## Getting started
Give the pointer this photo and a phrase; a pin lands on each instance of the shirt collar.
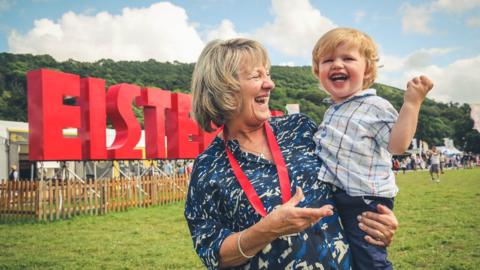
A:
(363, 93)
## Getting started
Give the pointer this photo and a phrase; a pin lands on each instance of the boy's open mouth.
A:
(338, 77)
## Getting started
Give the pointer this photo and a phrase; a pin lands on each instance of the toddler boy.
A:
(359, 133)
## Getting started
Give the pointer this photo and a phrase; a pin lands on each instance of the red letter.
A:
(48, 116)
(154, 101)
(181, 130)
(94, 121)
(276, 113)
(127, 128)
(206, 138)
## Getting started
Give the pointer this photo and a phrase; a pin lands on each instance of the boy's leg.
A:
(365, 255)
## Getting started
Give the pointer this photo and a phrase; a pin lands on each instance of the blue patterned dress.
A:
(216, 205)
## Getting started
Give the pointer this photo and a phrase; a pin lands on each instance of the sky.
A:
(438, 38)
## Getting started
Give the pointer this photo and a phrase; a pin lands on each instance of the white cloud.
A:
(457, 5)
(457, 82)
(415, 19)
(473, 22)
(161, 31)
(424, 57)
(295, 29)
(358, 16)
(475, 114)
(225, 30)
(287, 64)
(390, 63)
(5, 5)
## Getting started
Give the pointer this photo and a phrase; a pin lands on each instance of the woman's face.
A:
(255, 88)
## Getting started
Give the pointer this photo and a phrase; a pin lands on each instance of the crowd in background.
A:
(423, 161)
(170, 167)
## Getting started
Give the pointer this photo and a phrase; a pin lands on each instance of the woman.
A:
(254, 201)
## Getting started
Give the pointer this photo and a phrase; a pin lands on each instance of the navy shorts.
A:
(365, 255)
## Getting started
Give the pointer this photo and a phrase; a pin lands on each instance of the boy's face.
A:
(342, 72)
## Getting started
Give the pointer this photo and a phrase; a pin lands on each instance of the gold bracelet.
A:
(240, 247)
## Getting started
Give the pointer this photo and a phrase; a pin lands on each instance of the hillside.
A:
(293, 85)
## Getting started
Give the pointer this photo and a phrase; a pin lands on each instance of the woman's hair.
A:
(215, 84)
(352, 38)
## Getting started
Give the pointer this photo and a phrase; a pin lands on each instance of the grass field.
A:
(439, 229)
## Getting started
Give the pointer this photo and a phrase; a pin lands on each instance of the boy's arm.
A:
(404, 129)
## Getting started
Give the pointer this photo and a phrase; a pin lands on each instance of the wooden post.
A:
(2, 198)
(39, 200)
(68, 205)
(95, 195)
(105, 197)
(85, 196)
(21, 200)
(50, 199)
(58, 200)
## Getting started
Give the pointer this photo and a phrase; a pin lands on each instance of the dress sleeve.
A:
(306, 123)
(204, 217)
(386, 116)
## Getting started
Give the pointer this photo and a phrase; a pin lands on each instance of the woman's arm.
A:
(284, 220)
(380, 227)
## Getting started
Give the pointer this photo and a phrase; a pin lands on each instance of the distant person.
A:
(413, 163)
(168, 168)
(189, 166)
(13, 174)
(465, 159)
(180, 168)
(359, 133)
(408, 162)
(471, 160)
(403, 165)
(420, 162)
(457, 161)
(434, 164)
(442, 162)
(396, 165)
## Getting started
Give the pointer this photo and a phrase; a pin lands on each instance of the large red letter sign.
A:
(181, 130)
(94, 121)
(48, 116)
(166, 115)
(154, 101)
(127, 129)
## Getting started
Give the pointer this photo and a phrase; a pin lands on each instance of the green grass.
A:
(151, 238)
(439, 229)
(439, 223)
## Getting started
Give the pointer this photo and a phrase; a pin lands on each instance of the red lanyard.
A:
(247, 187)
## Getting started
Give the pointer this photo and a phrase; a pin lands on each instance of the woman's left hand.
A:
(380, 227)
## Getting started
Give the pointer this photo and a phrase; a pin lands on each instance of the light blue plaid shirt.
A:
(352, 141)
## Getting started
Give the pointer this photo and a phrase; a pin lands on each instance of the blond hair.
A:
(215, 84)
(352, 38)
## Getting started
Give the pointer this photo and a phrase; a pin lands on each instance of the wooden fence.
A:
(54, 200)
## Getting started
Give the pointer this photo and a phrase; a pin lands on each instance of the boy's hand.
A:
(417, 89)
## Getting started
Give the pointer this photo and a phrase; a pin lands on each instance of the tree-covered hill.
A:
(293, 85)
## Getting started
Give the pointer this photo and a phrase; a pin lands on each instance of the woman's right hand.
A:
(284, 220)
(288, 218)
